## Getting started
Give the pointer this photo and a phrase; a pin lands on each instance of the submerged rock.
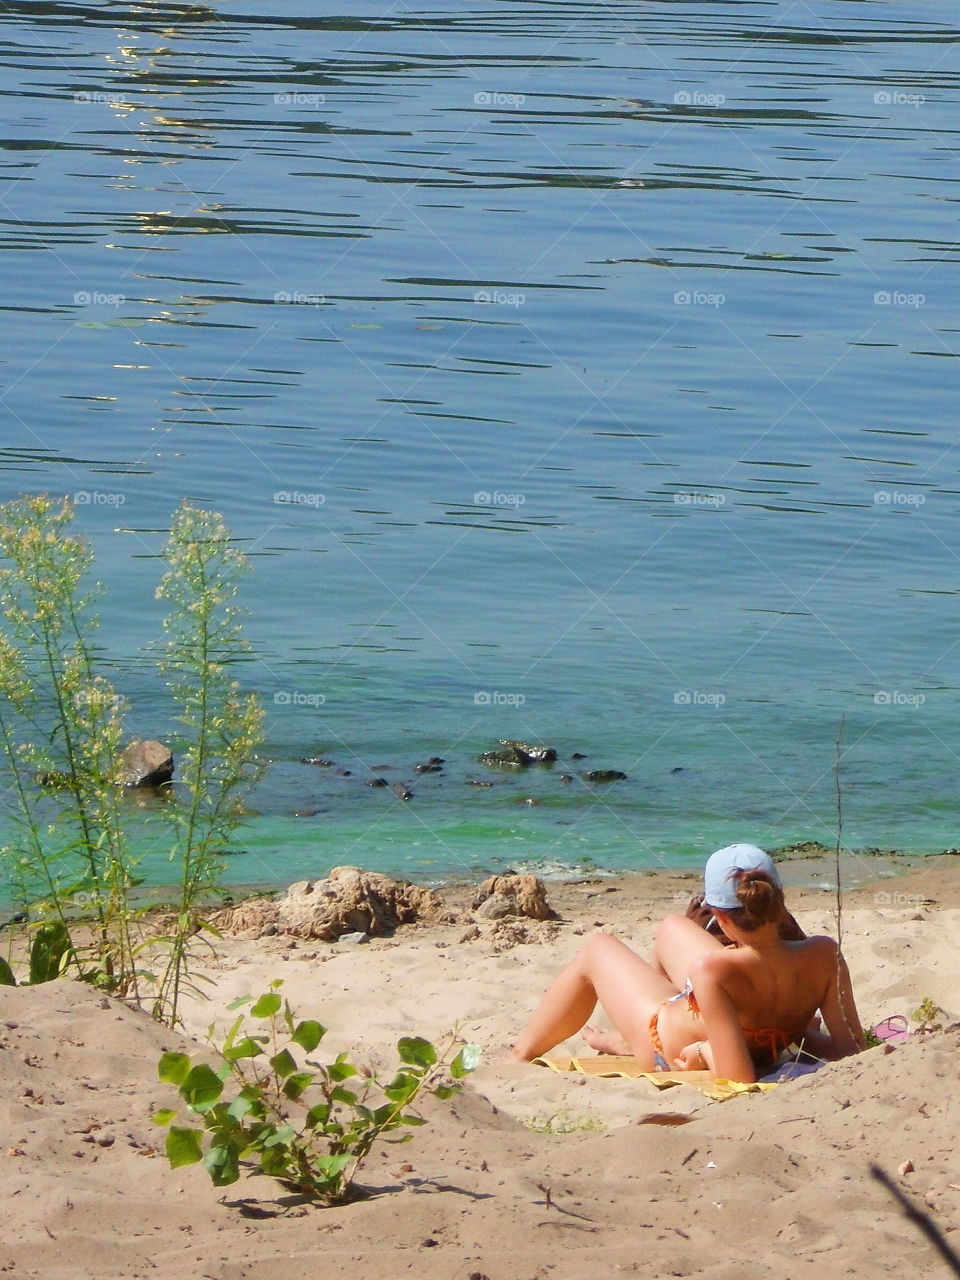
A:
(512, 754)
(402, 792)
(504, 758)
(145, 764)
(537, 755)
(807, 848)
(517, 895)
(605, 775)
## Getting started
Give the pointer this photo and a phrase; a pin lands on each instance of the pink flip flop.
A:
(893, 1029)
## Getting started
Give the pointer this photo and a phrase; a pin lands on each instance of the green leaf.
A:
(248, 1047)
(308, 1035)
(331, 1166)
(284, 1063)
(6, 975)
(183, 1146)
(163, 1116)
(275, 1161)
(317, 1116)
(467, 1060)
(402, 1088)
(297, 1085)
(222, 1165)
(444, 1091)
(173, 1068)
(241, 1106)
(340, 1094)
(341, 1070)
(230, 1036)
(202, 1087)
(386, 1115)
(281, 1138)
(417, 1052)
(50, 948)
(266, 1006)
(239, 1002)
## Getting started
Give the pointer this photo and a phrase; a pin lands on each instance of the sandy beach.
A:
(527, 1174)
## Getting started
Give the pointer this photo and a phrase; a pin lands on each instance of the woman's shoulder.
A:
(818, 942)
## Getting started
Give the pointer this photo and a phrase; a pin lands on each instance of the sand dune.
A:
(774, 1184)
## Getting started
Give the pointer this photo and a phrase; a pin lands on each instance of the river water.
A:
(569, 372)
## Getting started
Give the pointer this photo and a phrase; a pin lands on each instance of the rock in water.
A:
(517, 755)
(605, 775)
(522, 896)
(505, 758)
(145, 764)
(536, 755)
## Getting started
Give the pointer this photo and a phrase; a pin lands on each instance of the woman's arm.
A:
(730, 1058)
(839, 1008)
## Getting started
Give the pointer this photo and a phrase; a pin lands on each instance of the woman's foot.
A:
(605, 1041)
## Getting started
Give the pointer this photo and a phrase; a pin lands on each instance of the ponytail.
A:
(761, 901)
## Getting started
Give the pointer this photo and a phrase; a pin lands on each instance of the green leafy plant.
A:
(50, 953)
(70, 853)
(295, 1119)
(928, 1013)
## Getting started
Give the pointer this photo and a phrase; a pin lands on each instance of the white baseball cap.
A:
(719, 885)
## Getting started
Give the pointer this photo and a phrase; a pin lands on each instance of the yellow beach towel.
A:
(607, 1064)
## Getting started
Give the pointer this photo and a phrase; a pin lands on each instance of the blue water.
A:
(576, 373)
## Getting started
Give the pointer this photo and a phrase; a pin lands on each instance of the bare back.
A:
(777, 987)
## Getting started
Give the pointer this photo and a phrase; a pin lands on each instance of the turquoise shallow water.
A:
(576, 374)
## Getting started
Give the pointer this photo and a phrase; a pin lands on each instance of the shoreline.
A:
(800, 871)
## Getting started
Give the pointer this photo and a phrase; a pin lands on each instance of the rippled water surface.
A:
(571, 372)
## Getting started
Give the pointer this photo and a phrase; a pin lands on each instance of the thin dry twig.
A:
(921, 1219)
(837, 761)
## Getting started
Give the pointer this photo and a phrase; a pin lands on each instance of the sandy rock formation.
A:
(254, 918)
(516, 895)
(347, 901)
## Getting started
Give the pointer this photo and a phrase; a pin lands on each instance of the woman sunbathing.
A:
(700, 1005)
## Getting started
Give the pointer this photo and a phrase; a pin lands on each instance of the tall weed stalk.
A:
(60, 726)
(223, 725)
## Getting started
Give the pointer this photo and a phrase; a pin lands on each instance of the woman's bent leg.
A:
(678, 943)
(604, 970)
